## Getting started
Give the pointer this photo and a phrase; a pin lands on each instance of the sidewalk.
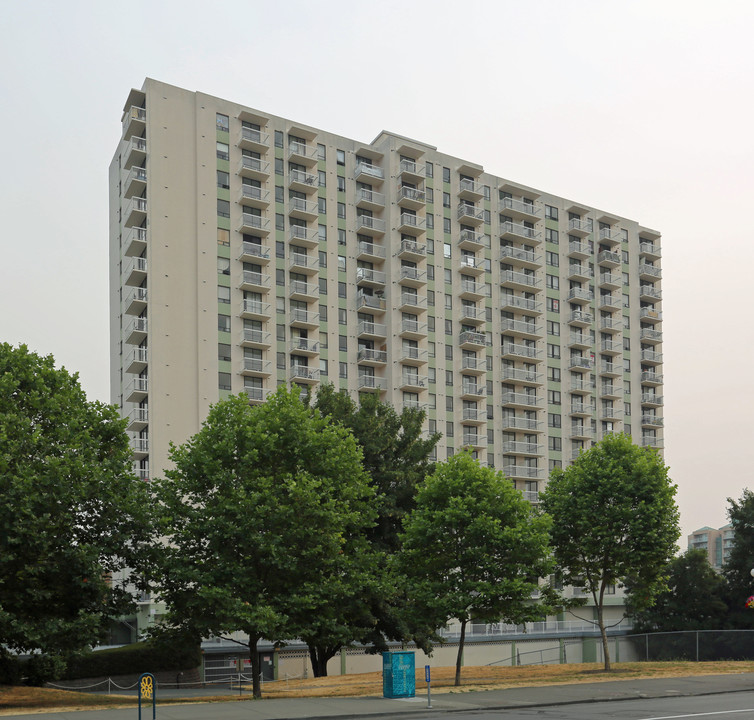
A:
(324, 708)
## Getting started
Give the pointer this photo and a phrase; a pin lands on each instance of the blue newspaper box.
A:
(398, 675)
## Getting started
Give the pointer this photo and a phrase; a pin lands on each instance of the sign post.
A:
(429, 692)
(147, 691)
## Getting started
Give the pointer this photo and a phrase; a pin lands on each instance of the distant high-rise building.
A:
(715, 543)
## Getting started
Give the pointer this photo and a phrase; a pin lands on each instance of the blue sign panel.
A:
(398, 674)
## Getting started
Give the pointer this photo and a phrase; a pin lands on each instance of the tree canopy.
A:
(740, 561)
(263, 514)
(473, 548)
(72, 515)
(615, 517)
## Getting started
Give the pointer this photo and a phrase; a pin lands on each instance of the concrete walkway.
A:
(322, 708)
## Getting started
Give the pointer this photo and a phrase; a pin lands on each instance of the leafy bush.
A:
(10, 669)
(40, 669)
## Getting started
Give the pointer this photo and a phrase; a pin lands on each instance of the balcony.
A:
(134, 241)
(370, 252)
(580, 364)
(412, 277)
(516, 231)
(471, 265)
(652, 442)
(609, 390)
(134, 121)
(254, 197)
(138, 419)
(256, 395)
(136, 331)
(580, 341)
(581, 409)
(306, 292)
(649, 293)
(611, 414)
(410, 171)
(580, 295)
(254, 168)
(303, 346)
(650, 357)
(254, 224)
(473, 391)
(521, 471)
(412, 303)
(410, 355)
(371, 331)
(302, 181)
(581, 431)
(611, 369)
(303, 236)
(609, 325)
(519, 209)
(366, 277)
(611, 347)
(254, 140)
(649, 377)
(412, 330)
(410, 250)
(579, 250)
(472, 340)
(473, 416)
(410, 223)
(610, 281)
(471, 314)
(581, 386)
(413, 405)
(254, 282)
(579, 272)
(255, 310)
(255, 367)
(413, 382)
(304, 374)
(255, 338)
(517, 256)
(520, 327)
(651, 400)
(373, 358)
(471, 290)
(610, 302)
(140, 447)
(474, 440)
(512, 447)
(648, 335)
(524, 400)
(609, 259)
(136, 360)
(409, 197)
(650, 251)
(518, 280)
(137, 389)
(650, 315)
(516, 302)
(369, 200)
(135, 183)
(373, 303)
(135, 153)
(303, 209)
(303, 154)
(135, 212)
(472, 240)
(470, 190)
(581, 228)
(649, 272)
(369, 174)
(368, 225)
(303, 264)
(511, 422)
(580, 318)
(609, 236)
(520, 375)
(469, 214)
(370, 383)
(305, 319)
(253, 253)
(651, 421)
(136, 301)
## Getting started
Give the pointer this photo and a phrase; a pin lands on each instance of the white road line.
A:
(693, 715)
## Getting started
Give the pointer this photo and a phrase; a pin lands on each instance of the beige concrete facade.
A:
(248, 251)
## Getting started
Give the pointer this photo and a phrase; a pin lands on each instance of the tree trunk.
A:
(461, 640)
(255, 669)
(319, 657)
(603, 633)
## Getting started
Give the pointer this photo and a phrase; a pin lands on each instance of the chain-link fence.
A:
(696, 645)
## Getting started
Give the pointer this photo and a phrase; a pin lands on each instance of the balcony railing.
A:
(513, 253)
(516, 278)
(580, 363)
(652, 420)
(521, 448)
(304, 372)
(518, 350)
(368, 170)
(523, 471)
(467, 211)
(580, 294)
(252, 250)
(520, 375)
(473, 338)
(519, 206)
(518, 230)
(304, 345)
(513, 398)
(651, 356)
(370, 382)
(411, 194)
(519, 303)
(367, 222)
(369, 276)
(369, 355)
(581, 318)
(371, 250)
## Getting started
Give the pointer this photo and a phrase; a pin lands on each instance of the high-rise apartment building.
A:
(249, 251)
(716, 543)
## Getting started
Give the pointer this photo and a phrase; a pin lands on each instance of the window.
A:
(552, 258)
(279, 221)
(553, 328)
(223, 122)
(322, 206)
(223, 237)
(432, 401)
(223, 381)
(322, 232)
(278, 138)
(342, 290)
(448, 352)
(446, 200)
(323, 340)
(431, 323)
(223, 352)
(223, 294)
(553, 305)
(448, 302)
(341, 184)
(323, 286)
(624, 256)
(280, 360)
(279, 277)
(448, 274)
(321, 178)
(551, 213)
(342, 316)
(430, 195)
(430, 272)
(343, 343)
(449, 429)
(553, 420)
(553, 281)
(341, 236)
(446, 225)
(448, 327)
(223, 179)
(223, 323)
(626, 301)
(446, 174)
(555, 444)
(432, 375)
(553, 351)
(322, 259)
(278, 166)
(431, 349)
(551, 236)
(279, 194)
(321, 152)
(341, 263)
(341, 210)
(323, 313)
(626, 279)
(340, 157)
(447, 250)
(223, 151)
(626, 408)
(223, 266)
(430, 221)
(343, 370)
(429, 170)
(449, 403)
(553, 397)
(553, 374)
(223, 208)
(322, 366)
(626, 343)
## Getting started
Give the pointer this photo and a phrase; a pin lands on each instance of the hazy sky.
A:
(641, 108)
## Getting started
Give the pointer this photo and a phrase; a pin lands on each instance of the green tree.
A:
(740, 561)
(263, 516)
(615, 517)
(692, 600)
(473, 548)
(72, 514)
